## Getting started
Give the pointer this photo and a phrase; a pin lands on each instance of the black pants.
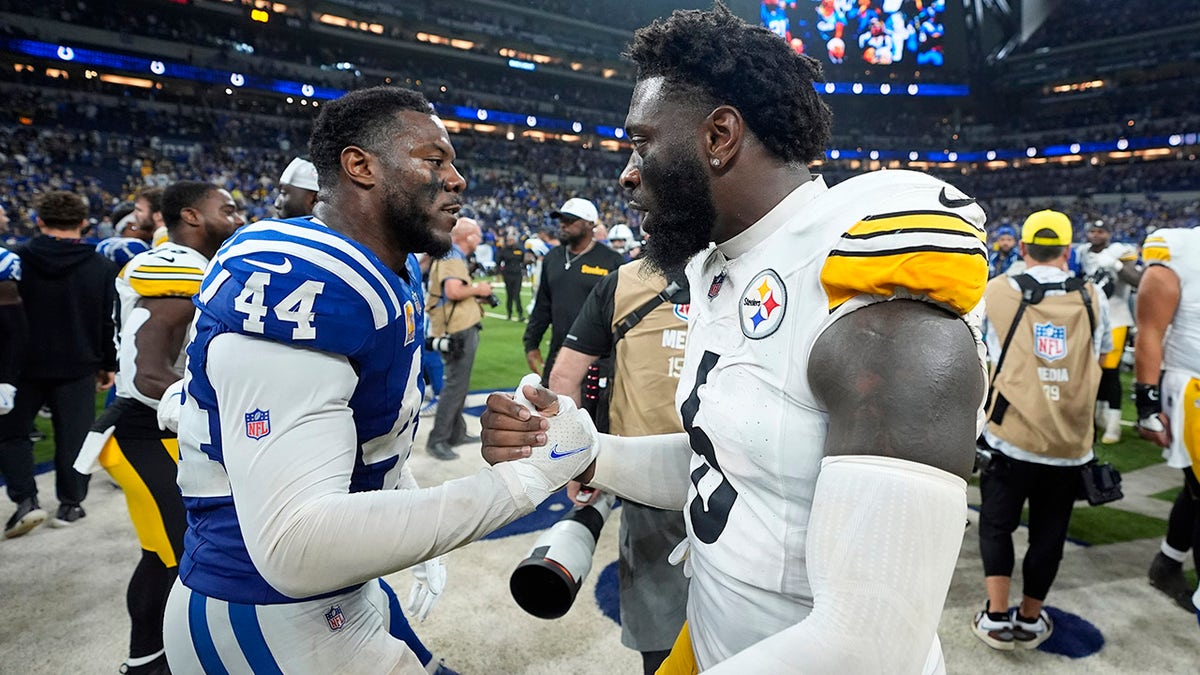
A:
(512, 289)
(1183, 525)
(73, 405)
(1051, 491)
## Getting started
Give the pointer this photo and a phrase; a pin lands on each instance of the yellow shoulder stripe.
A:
(955, 279)
(167, 269)
(165, 288)
(929, 221)
(1156, 253)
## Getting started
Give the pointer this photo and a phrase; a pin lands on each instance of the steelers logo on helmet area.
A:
(763, 305)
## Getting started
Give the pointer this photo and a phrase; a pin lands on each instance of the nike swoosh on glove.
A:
(169, 407)
(429, 580)
(571, 445)
(8, 398)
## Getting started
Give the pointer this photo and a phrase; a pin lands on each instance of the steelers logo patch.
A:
(763, 305)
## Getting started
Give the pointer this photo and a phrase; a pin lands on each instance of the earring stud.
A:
(715, 162)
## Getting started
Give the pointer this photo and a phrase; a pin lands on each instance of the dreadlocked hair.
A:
(713, 58)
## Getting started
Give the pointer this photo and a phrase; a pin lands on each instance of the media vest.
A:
(1043, 389)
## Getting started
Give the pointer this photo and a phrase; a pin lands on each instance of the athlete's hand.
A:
(429, 580)
(105, 379)
(510, 429)
(533, 357)
(169, 407)
(1156, 429)
(8, 398)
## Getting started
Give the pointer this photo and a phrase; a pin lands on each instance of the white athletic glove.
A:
(8, 398)
(1110, 262)
(429, 580)
(169, 407)
(571, 444)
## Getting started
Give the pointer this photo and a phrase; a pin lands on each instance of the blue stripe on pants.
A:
(201, 637)
(400, 629)
(250, 638)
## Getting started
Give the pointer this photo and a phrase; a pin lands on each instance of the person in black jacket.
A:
(510, 258)
(67, 292)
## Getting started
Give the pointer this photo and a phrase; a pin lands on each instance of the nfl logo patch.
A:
(258, 423)
(1050, 341)
(335, 618)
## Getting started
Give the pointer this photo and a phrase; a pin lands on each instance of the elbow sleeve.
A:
(650, 470)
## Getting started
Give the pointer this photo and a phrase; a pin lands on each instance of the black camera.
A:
(446, 344)
(492, 300)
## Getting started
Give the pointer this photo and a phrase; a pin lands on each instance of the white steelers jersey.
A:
(1119, 311)
(759, 301)
(1180, 251)
(168, 271)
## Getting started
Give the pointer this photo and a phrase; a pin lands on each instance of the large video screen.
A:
(864, 34)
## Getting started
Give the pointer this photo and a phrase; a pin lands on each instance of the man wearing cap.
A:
(1046, 334)
(297, 189)
(1004, 251)
(1113, 267)
(568, 274)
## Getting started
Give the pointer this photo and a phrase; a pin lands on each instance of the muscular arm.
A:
(159, 340)
(1157, 300)
(570, 368)
(304, 531)
(1130, 274)
(457, 290)
(901, 381)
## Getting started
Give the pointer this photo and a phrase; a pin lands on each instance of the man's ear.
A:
(360, 166)
(724, 130)
(191, 216)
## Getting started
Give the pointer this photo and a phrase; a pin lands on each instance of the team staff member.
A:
(67, 292)
(297, 189)
(1113, 267)
(647, 361)
(1169, 411)
(790, 472)
(155, 292)
(301, 402)
(1042, 398)
(510, 258)
(569, 272)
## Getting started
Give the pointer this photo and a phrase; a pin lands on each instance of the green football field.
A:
(500, 364)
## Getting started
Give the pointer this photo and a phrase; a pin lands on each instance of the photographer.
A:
(455, 316)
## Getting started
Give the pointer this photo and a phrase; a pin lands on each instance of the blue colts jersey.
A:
(299, 283)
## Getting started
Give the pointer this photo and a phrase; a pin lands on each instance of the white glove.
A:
(169, 407)
(8, 398)
(429, 582)
(1110, 262)
(571, 445)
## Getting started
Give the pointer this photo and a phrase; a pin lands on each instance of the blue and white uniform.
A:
(10, 265)
(121, 249)
(300, 408)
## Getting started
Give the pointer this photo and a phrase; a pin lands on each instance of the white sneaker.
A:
(1098, 417)
(1030, 635)
(995, 634)
(430, 409)
(1112, 426)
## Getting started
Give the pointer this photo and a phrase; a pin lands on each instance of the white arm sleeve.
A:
(883, 539)
(650, 470)
(304, 531)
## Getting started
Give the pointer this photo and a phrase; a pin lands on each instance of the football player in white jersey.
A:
(300, 406)
(1112, 266)
(154, 310)
(1167, 368)
(832, 384)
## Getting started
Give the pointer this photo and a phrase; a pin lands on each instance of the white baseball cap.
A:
(301, 174)
(577, 208)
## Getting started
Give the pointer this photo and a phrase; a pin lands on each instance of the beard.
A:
(408, 219)
(682, 214)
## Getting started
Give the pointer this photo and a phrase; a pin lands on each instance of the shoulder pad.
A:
(165, 272)
(299, 282)
(924, 240)
(10, 266)
(1170, 247)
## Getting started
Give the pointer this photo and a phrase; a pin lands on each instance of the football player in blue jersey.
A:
(300, 406)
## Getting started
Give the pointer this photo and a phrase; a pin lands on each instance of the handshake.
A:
(546, 437)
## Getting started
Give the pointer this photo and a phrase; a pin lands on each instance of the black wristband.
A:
(1149, 401)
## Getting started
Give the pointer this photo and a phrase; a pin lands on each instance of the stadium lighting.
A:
(834, 154)
(576, 127)
(913, 156)
(290, 99)
(619, 133)
(303, 101)
(857, 88)
(522, 65)
(991, 155)
(885, 88)
(953, 156)
(1074, 148)
(1175, 139)
(1190, 139)
(66, 53)
(260, 15)
(1031, 151)
(316, 103)
(1122, 144)
(307, 89)
(481, 114)
(874, 154)
(830, 87)
(158, 67)
(531, 121)
(228, 91)
(913, 89)
(237, 79)
(510, 136)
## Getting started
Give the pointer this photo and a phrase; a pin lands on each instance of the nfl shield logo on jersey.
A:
(335, 618)
(1050, 341)
(258, 423)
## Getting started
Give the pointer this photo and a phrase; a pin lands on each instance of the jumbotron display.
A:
(861, 34)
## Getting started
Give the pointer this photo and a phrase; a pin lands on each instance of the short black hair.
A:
(123, 209)
(1041, 252)
(182, 195)
(61, 209)
(153, 197)
(713, 58)
(364, 118)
